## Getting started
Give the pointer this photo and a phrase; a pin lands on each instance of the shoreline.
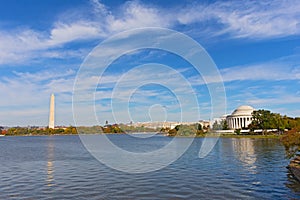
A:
(252, 136)
(200, 136)
(233, 136)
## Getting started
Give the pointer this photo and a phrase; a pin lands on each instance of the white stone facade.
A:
(51, 113)
(240, 118)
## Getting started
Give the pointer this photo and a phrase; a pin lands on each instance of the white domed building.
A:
(240, 118)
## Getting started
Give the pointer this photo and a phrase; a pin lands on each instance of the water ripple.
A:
(60, 168)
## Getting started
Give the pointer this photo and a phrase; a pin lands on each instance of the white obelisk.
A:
(51, 115)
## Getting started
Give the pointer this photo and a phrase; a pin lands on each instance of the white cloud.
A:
(27, 97)
(285, 68)
(16, 47)
(265, 71)
(99, 8)
(31, 89)
(63, 33)
(271, 19)
(119, 91)
(289, 99)
(43, 75)
(251, 19)
(258, 20)
(20, 45)
(27, 45)
(135, 15)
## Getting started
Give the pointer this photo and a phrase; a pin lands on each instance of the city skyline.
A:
(255, 46)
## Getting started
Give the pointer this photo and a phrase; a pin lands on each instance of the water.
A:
(59, 167)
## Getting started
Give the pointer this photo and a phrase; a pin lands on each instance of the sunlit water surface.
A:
(59, 167)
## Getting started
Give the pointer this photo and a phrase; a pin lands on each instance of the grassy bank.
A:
(251, 136)
(235, 136)
(199, 136)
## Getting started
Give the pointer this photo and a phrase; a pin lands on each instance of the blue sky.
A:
(255, 45)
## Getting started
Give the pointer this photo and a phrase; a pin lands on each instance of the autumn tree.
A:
(291, 141)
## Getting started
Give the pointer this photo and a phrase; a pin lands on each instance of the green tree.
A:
(278, 122)
(224, 125)
(265, 119)
(186, 130)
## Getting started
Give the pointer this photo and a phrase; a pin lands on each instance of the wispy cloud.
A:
(226, 19)
(81, 30)
(18, 47)
(135, 15)
(265, 71)
(28, 94)
(43, 75)
(272, 85)
(285, 68)
(287, 99)
(253, 20)
(250, 19)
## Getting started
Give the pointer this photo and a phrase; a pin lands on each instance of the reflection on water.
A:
(245, 152)
(50, 166)
(59, 167)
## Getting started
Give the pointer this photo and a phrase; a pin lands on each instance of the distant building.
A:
(240, 118)
(155, 125)
(219, 120)
(171, 125)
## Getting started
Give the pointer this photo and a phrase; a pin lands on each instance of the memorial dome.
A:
(243, 111)
(240, 118)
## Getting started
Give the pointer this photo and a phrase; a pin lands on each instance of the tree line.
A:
(106, 129)
(264, 119)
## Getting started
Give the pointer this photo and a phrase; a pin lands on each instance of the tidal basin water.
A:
(59, 167)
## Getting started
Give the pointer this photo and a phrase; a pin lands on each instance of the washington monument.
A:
(51, 115)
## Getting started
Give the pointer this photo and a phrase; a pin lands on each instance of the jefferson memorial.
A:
(240, 118)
